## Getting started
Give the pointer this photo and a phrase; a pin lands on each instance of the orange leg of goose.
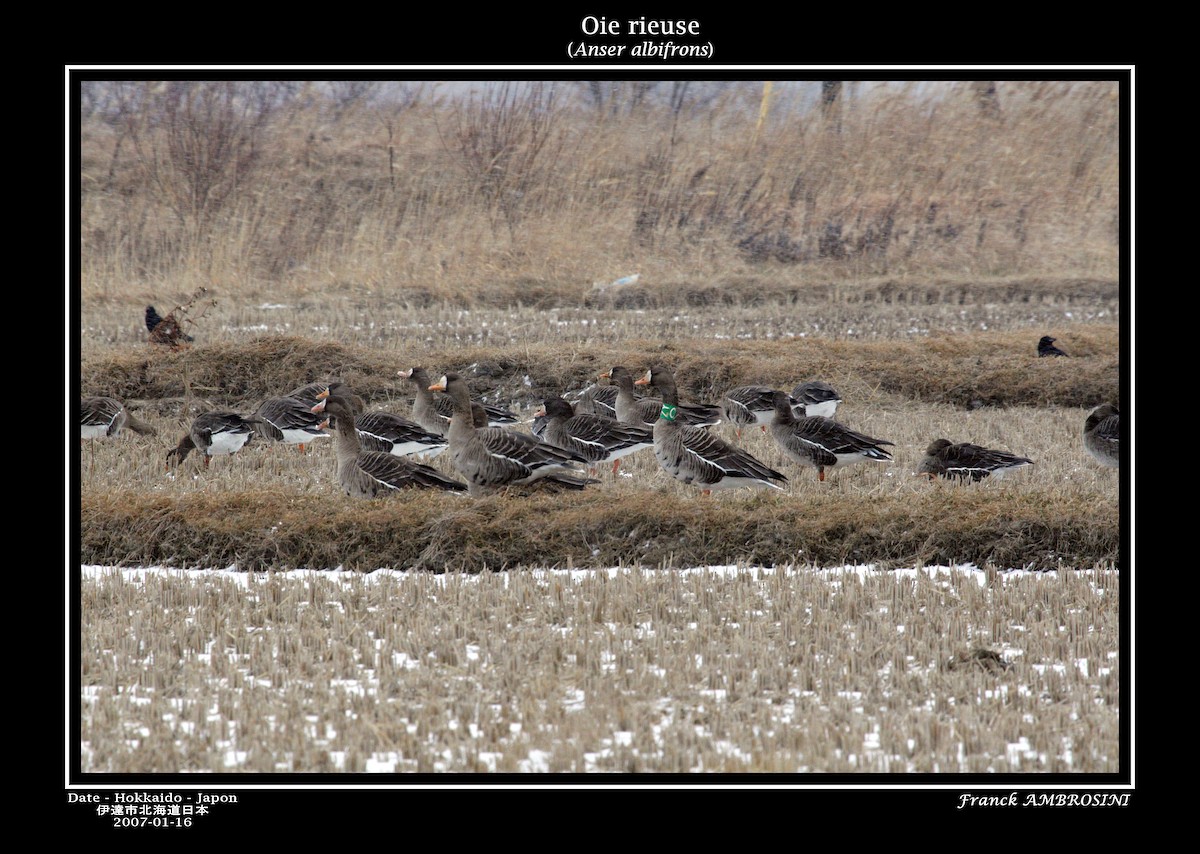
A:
(616, 465)
(821, 474)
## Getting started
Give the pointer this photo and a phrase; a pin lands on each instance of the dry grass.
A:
(274, 192)
(630, 672)
(520, 365)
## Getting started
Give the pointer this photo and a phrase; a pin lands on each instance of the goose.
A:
(385, 431)
(595, 437)
(213, 434)
(594, 400)
(372, 474)
(106, 416)
(493, 458)
(310, 393)
(433, 413)
(966, 461)
(1046, 347)
(289, 420)
(748, 405)
(645, 411)
(817, 398)
(821, 442)
(696, 456)
(398, 436)
(1102, 435)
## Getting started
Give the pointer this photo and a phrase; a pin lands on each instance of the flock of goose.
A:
(378, 453)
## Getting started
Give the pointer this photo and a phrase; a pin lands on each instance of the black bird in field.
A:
(1046, 347)
(165, 330)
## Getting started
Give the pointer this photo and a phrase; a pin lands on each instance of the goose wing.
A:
(396, 435)
(712, 458)
(837, 439)
(394, 473)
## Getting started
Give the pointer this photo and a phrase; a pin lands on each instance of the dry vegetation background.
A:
(908, 246)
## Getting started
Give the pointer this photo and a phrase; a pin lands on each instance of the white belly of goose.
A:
(227, 443)
(93, 431)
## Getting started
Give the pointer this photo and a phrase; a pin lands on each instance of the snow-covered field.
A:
(627, 671)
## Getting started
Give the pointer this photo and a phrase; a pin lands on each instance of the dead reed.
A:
(280, 190)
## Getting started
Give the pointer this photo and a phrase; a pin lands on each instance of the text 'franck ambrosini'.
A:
(594, 27)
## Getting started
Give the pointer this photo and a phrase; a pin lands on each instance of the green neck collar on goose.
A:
(668, 412)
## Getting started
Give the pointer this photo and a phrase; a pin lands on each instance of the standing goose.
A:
(492, 458)
(595, 437)
(106, 416)
(966, 461)
(645, 411)
(310, 393)
(214, 434)
(748, 405)
(596, 400)
(522, 447)
(433, 413)
(821, 442)
(289, 420)
(396, 435)
(696, 456)
(1102, 435)
(372, 474)
(384, 431)
(817, 398)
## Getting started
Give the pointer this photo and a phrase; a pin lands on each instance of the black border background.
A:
(280, 807)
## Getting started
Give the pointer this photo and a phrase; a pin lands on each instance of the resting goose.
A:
(696, 456)
(372, 474)
(821, 442)
(595, 437)
(289, 420)
(966, 461)
(493, 458)
(817, 398)
(106, 416)
(1102, 435)
(748, 405)
(433, 413)
(214, 434)
(645, 411)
